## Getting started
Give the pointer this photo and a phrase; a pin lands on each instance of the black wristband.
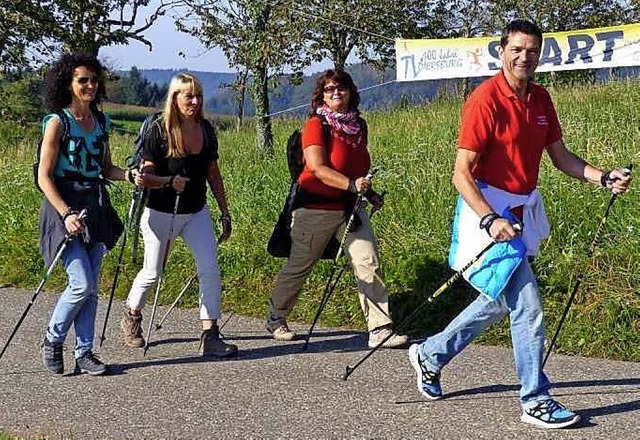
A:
(487, 220)
(352, 186)
(69, 212)
(604, 178)
(129, 176)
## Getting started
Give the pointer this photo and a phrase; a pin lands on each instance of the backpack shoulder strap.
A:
(102, 120)
(364, 127)
(65, 134)
(151, 122)
(326, 128)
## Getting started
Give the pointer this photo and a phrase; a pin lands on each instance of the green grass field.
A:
(414, 151)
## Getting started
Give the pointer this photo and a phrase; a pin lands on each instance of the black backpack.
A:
(295, 158)
(65, 137)
(133, 161)
(279, 244)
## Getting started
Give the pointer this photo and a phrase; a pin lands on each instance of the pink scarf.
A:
(346, 122)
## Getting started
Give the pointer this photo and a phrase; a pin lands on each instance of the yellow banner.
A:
(614, 46)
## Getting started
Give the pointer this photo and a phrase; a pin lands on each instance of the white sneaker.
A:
(393, 340)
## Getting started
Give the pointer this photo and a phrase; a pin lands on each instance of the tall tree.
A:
(255, 35)
(460, 19)
(565, 15)
(82, 26)
(367, 28)
(17, 32)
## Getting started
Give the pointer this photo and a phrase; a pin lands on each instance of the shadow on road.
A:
(485, 392)
(345, 342)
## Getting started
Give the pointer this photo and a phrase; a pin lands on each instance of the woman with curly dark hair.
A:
(74, 162)
(336, 163)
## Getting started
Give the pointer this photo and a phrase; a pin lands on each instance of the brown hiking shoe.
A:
(393, 340)
(282, 333)
(279, 329)
(212, 345)
(132, 328)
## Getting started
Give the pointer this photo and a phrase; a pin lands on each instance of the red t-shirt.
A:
(510, 134)
(347, 154)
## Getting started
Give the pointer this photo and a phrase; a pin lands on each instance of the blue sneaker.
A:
(428, 381)
(549, 414)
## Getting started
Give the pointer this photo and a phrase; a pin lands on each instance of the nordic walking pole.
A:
(455, 277)
(592, 249)
(225, 321)
(331, 282)
(164, 263)
(132, 210)
(175, 303)
(141, 195)
(67, 238)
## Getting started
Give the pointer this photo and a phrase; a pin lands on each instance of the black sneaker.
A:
(52, 356)
(89, 363)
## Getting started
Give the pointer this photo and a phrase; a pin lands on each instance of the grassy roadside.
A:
(414, 151)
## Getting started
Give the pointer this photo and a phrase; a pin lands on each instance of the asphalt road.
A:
(273, 390)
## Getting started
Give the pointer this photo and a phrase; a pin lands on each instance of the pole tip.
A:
(344, 376)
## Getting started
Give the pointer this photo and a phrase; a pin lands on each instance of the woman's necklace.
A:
(79, 118)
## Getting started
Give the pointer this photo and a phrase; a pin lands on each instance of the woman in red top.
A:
(333, 174)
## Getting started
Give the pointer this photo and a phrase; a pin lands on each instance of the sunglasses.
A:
(86, 79)
(332, 89)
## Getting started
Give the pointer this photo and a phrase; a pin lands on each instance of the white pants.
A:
(197, 232)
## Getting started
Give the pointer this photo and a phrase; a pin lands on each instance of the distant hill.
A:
(220, 100)
(377, 89)
(213, 82)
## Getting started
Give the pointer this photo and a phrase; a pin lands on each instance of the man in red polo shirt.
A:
(507, 123)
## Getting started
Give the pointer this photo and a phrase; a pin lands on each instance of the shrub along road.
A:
(272, 390)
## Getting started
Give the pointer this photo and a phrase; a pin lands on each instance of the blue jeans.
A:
(79, 301)
(521, 300)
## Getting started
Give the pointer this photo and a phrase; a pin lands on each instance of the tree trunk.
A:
(240, 98)
(260, 88)
(339, 60)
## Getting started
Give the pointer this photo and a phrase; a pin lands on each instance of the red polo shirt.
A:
(509, 133)
(345, 153)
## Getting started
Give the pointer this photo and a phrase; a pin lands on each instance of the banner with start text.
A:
(614, 46)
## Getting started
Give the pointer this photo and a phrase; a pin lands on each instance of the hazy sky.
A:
(167, 44)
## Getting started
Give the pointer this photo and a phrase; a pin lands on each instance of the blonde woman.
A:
(180, 156)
